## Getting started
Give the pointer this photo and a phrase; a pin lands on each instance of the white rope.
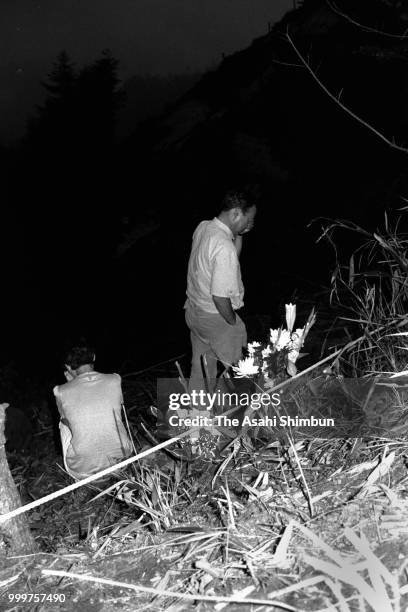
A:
(167, 593)
(152, 367)
(85, 481)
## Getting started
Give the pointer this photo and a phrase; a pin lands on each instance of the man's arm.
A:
(59, 405)
(224, 307)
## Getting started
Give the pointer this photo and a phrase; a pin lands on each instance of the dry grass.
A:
(369, 291)
(248, 539)
(299, 522)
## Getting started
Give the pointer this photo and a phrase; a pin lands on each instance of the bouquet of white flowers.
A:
(276, 358)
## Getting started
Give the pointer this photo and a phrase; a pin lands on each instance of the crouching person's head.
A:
(79, 359)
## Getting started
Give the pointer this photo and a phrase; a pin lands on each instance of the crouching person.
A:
(93, 436)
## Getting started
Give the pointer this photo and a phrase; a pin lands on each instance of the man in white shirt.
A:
(215, 290)
(93, 436)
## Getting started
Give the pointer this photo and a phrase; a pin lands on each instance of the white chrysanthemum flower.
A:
(252, 346)
(266, 352)
(245, 367)
(279, 338)
(283, 340)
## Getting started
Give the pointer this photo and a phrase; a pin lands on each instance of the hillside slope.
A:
(262, 118)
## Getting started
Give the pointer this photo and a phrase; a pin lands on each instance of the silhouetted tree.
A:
(55, 120)
(99, 101)
(68, 165)
(79, 112)
(61, 80)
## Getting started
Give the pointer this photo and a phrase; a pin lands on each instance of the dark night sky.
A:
(147, 36)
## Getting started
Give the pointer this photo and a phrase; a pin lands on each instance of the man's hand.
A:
(224, 307)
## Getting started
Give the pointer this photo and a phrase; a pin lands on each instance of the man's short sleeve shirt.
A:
(213, 267)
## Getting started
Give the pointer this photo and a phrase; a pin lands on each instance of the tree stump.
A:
(15, 534)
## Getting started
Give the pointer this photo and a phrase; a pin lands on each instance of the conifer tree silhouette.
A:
(54, 121)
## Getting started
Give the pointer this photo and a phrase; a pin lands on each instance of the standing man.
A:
(214, 288)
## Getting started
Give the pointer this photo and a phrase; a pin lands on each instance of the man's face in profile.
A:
(247, 221)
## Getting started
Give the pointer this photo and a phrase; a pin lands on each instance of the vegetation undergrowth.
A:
(297, 519)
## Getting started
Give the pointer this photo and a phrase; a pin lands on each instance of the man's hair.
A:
(236, 199)
(79, 355)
